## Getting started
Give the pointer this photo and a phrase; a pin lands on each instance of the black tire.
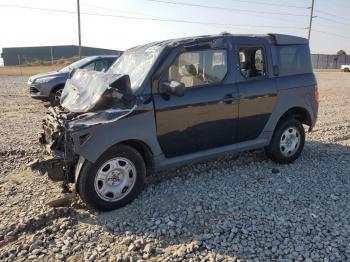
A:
(346, 69)
(285, 155)
(86, 183)
(54, 95)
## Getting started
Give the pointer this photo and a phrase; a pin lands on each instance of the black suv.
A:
(178, 101)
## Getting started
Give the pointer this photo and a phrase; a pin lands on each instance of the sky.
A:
(128, 23)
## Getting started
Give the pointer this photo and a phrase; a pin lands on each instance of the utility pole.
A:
(311, 17)
(79, 33)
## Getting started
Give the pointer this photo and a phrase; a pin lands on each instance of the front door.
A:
(206, 116)
(257, 90)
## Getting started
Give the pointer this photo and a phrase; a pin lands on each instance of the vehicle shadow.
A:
(244, 206)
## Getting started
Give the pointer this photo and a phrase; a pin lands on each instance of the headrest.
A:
(187, 70)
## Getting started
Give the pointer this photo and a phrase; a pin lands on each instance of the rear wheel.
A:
(55, 96)
(114, 180)
(346, 69)
(287, 142)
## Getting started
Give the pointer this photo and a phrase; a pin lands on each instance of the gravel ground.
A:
(243, 208)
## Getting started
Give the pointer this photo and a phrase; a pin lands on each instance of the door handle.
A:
(229, 99)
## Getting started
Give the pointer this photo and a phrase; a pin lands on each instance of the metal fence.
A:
(320, 61)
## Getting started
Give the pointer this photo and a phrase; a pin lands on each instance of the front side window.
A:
(90, 66)
(251, 61)
(197, 68)
(78, 64)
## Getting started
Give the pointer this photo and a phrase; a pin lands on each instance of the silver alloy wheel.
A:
(58, 94)
(115, 179)
(290, 141)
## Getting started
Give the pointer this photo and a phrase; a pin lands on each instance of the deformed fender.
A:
(140, 125)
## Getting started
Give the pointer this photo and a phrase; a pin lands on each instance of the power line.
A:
(270, 4)
(122, 11)
(224, 8)
(333, 15)
(118, 10)
(38, 8)
(143, 14)
(333, 21)
(150, 18)
(328, 33)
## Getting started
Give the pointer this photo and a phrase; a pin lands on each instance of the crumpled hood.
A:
(85, 88)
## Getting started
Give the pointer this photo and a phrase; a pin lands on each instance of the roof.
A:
(276, 39)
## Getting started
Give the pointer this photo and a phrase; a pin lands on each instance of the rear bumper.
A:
(315, 106)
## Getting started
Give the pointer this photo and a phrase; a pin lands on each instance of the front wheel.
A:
(114, 180)
(55, 96)
(287, 142)
(346, 69)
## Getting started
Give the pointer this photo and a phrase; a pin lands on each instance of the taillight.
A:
(317, 94)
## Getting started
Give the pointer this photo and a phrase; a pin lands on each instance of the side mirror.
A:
(172, 88)
(276, 70)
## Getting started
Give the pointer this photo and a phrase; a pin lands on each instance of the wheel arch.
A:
(299, 113)
(143, 149)
(56, 87)
(138, 145)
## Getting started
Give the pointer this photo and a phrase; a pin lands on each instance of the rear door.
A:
(256, 87)
(206, 116)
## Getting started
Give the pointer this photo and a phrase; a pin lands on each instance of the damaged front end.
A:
(88, 99)
(58, 156)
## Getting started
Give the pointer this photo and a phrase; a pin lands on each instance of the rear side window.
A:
(101, 65)
(294, 60)
(251, 61)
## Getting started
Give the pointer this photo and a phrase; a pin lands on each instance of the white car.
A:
(345, 68)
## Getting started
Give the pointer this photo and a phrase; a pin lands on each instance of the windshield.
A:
(77, 64)
(136, 63)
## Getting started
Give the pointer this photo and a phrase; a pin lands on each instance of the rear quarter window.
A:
(294, 60)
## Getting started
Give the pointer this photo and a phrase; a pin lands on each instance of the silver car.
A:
(48, 86)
